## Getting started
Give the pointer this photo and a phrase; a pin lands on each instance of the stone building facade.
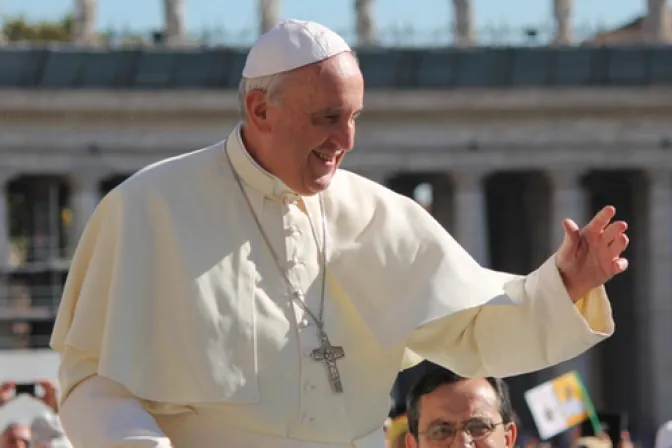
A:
(505, 166)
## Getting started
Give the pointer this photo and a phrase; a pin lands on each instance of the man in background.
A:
(445, 409)
(16, 436)
(45, 431)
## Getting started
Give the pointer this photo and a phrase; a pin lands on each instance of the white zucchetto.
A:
(292, 44)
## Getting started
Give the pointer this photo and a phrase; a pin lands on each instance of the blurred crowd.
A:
(45, 431)
(438, 409)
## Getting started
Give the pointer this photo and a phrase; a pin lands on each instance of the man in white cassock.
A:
(251, 294)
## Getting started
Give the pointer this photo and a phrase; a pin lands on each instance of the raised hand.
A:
(50, 397)
(6, 392)
(591, 256)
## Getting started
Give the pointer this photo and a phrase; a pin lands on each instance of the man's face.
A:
(471, 403)
(312, 126)
(17, 436)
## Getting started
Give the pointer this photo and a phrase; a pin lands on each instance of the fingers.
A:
(572, 231)
(613, 230)
(618, 245)
(615, 238)
(619, 265)
(600, 220)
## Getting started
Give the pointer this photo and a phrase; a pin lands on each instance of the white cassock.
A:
(176, 327)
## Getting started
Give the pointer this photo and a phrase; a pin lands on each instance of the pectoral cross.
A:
(328, 354)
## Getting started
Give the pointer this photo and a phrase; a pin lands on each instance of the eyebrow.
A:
(333, 110)
(470, 419)
(439, 421)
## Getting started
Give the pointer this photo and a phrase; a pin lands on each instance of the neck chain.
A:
(297, 295)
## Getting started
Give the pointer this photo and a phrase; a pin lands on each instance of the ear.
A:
(511, 435)
(410, 441)
(257, 108)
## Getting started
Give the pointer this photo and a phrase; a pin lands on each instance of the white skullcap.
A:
(292, 44)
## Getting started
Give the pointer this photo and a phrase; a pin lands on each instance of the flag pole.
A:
(590, 408)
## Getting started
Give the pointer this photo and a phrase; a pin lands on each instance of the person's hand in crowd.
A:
(625, 441)
(6, 392)
(50, 397)
(603, 436)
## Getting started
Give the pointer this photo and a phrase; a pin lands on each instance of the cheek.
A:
(496, 440)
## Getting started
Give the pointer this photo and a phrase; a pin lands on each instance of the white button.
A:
(304, 323)
(307, 353)
(289, 199)
(294, 230)
(308, 387)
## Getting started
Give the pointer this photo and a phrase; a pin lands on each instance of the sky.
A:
(240, 15)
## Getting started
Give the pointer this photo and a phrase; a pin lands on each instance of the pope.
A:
(252, 294)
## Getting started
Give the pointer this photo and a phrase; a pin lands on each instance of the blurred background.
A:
(500, 117)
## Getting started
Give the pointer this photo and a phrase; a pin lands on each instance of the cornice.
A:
(460, 103)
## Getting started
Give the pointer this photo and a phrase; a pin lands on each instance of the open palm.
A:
(591, 256)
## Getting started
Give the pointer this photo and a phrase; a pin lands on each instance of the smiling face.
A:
(303, 137)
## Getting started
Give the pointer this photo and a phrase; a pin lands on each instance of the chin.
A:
(316, 186)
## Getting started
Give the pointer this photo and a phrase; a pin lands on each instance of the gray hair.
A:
(271, 85)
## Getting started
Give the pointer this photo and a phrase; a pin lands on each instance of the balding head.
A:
(15, 436)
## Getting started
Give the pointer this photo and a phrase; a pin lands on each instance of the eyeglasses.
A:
(476, 429)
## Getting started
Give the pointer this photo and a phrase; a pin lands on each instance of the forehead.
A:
(335, 82)
(459, 401)
(18, 431)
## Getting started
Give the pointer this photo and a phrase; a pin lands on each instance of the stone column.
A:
(84, 200)
(657, 23)
(366, 30)
(465, 35)
(175, 33)
(443, 202)
(4, 222)
(84, 22)
(6, 333)
(562, 10)
(568, 200)
(269, 14)
(471, 227)
(659, 306)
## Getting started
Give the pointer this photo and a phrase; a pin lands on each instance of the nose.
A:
(462, 440)
(344, 135)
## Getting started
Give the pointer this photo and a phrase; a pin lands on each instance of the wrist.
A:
(575, 293)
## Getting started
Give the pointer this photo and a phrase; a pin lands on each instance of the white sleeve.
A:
(101, 413)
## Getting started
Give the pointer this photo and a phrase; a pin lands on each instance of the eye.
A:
(478, 428)
(440, 432)
(333, 118)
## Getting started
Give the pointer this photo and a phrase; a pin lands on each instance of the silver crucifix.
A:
(328, 354)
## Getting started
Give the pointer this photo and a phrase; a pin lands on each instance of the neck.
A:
(254, 147)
